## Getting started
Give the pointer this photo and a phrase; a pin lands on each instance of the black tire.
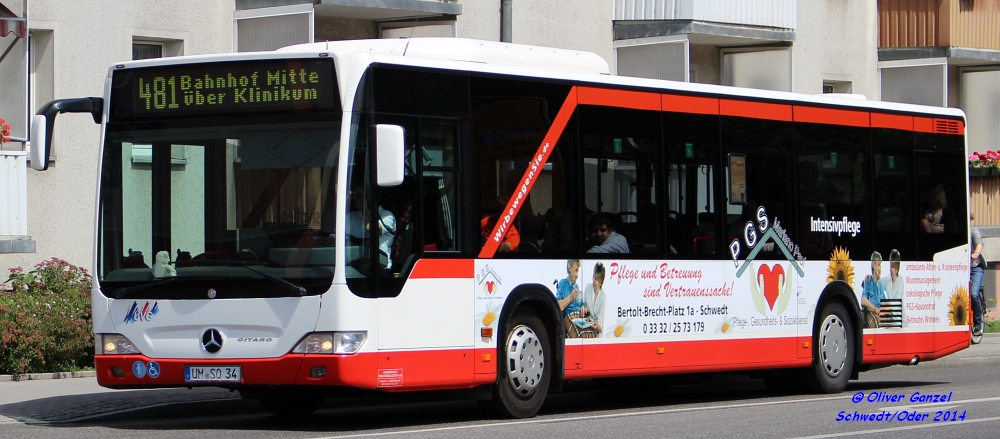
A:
(524, 370)
(292, 406)
(833, 353)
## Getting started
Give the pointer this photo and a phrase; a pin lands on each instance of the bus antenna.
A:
(412, 28)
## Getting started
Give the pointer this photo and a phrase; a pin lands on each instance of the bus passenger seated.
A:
(357, 226)
(511, 239)
(939, 218)
(606, 239)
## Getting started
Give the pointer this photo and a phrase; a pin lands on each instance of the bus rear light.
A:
(115, 344)
(331, 343)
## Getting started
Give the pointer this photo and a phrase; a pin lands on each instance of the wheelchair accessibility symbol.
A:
(153, 369)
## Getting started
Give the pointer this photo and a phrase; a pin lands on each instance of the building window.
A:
(265, 29)
(921, 81)
(762, 69)
(146, 50)
(439, 29)
(845, 87)
(656, 58)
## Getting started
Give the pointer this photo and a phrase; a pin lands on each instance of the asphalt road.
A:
(701, 406)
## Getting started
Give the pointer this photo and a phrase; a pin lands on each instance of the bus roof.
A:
(475, 51)
(577, 66)
(581, 67)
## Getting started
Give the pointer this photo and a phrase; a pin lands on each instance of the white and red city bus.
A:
(409, 215)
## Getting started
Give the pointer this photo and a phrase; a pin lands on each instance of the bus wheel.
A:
(292, 407)
(524, 371)
(833, 358)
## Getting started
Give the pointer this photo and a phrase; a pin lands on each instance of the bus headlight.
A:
(116, 344)
(331, 343)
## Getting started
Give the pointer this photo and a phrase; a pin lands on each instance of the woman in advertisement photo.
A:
(593, 299)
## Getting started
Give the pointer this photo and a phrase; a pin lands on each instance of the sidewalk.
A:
(47, 400)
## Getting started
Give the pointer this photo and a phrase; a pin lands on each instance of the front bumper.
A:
(292, 369)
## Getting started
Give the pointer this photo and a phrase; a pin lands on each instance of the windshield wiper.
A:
(122, 293)
(290, 287)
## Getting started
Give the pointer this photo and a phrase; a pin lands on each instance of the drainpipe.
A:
(505, 21)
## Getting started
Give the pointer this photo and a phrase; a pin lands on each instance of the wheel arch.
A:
(840, 292)
(541, 300)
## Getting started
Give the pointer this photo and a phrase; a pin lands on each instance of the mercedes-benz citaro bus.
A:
(458, 215)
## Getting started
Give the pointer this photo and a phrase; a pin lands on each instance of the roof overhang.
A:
(699, 32)
(376, 10)
(956, 56)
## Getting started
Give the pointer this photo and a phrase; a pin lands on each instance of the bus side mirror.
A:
(44, 121)
(389, 140)
(39, 144)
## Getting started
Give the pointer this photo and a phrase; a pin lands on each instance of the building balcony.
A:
(715, 22)
(966, 32)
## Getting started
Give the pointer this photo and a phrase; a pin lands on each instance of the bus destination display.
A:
(224, 88)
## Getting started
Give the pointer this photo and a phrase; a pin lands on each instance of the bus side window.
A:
(693, 224)
(439, 144)
(767, 146)
(834, 165)
(941, 193)
(620, 156)
(510, 120)
(893, 190)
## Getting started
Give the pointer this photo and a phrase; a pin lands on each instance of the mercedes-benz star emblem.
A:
(211, 341)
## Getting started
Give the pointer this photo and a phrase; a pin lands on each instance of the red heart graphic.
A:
(489, 286)
(769, 278)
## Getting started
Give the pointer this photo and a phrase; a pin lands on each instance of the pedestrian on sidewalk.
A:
(976, 271)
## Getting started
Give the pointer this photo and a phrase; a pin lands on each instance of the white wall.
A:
(91, 35)
(566, 24)
(836, 40)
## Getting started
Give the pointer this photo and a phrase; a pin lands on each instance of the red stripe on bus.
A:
(923, 124)
(755, 110)
(893, 121)
(518, 198)
(260, 371)
(688, 356)
(466, 367)
(690, 104)
(901, 347)
(443, 269)
(832, 116)
(618, 98)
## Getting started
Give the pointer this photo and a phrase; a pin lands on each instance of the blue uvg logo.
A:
(145, 314)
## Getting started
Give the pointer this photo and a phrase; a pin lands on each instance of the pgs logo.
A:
(144, 314)
(489, 280)
(771, 289)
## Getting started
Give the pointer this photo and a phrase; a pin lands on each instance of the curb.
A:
(47, 376)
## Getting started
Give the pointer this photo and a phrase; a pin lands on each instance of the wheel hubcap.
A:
(525, 360)
(833, 345)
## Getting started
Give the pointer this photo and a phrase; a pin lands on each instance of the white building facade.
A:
(808, 46)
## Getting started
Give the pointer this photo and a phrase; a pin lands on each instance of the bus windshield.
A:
(198, 203)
